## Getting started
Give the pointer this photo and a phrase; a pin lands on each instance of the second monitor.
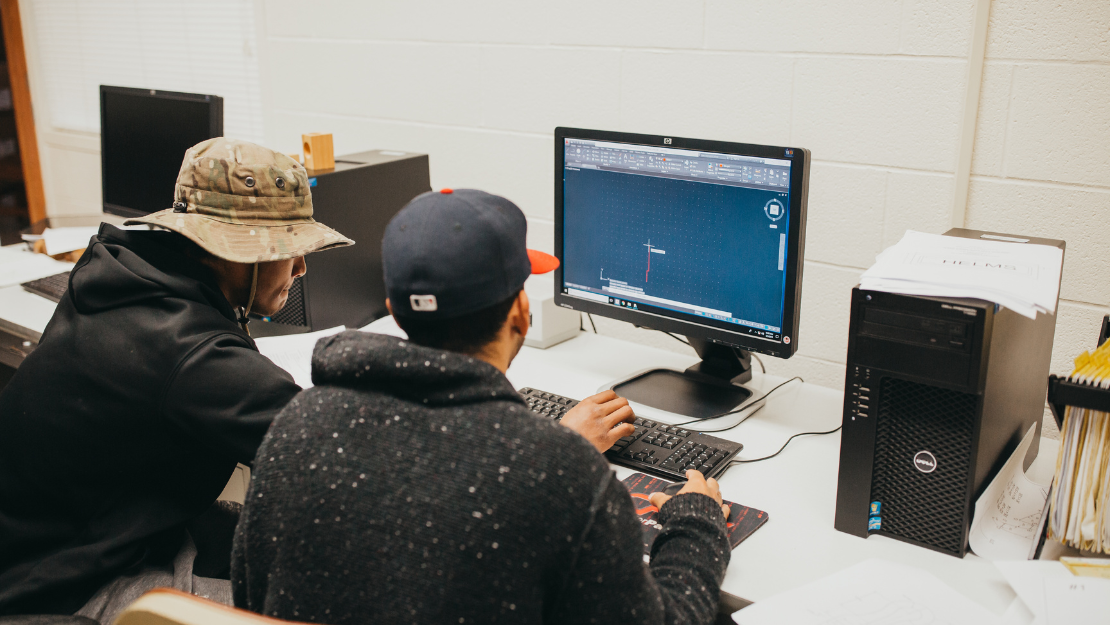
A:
(702, 238)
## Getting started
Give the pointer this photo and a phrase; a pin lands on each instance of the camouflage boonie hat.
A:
(244, 203)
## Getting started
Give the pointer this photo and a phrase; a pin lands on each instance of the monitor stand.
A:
(711, 387)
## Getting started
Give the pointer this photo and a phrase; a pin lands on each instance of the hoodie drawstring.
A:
(244, 310)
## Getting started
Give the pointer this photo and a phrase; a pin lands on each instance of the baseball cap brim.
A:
(243, 243)
(542, 262)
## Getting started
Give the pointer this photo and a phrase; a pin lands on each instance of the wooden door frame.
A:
(24, 114)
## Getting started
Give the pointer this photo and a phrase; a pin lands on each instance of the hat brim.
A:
(243, 243)
(542, 262)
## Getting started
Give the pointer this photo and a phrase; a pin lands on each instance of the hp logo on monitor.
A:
(667, 141)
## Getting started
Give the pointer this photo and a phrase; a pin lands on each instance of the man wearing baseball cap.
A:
(413, 484)
(125, 423)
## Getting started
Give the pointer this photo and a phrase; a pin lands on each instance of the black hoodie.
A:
(125, 422)
(415, 485)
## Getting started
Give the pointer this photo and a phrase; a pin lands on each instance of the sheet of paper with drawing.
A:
(1009, 511)
(294, 352)
(873, 592)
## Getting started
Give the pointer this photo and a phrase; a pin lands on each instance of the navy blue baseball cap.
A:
(453, 252)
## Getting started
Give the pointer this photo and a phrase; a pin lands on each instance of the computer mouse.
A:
(673, 489)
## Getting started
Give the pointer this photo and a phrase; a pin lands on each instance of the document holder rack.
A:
(1061, 394)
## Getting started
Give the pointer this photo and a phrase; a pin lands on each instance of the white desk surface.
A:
(21, 312)
(797, 488)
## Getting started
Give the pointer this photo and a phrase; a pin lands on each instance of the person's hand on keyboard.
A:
(602, 419)
(696, 483)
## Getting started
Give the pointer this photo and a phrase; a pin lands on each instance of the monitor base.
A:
(682, 393)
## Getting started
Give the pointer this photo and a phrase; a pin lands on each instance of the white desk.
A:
(797, 488)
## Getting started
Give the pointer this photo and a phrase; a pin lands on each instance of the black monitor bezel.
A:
(799, 192)
(215, 129)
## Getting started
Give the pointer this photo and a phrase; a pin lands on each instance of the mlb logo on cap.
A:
(423, 303)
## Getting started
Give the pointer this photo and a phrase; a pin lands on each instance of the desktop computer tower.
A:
(938, 394)
(344, 286)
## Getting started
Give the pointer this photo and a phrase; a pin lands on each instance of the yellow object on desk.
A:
(1088, 567)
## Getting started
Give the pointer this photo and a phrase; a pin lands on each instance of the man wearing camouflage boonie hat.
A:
(122, 427)
(245, 204)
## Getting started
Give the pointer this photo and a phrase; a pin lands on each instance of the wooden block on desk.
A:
(319, 153)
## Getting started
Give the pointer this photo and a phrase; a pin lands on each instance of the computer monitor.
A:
(700, 238)
(143, 137)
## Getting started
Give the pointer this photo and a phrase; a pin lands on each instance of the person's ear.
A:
(389, 308)
(520, 315)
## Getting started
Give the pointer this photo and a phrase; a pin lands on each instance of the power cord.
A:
(738, 410)
(761, 365)
(783, 447)
(673, 336)
(591, 318)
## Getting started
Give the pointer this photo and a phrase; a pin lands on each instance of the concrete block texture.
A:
(1077, 328)
(825, 312)
(489, 21)
(1059, 124)
(991, 125)
(628, 23)
(513, 165)
(844, 221)
(937, 27)
(916, 201)
(1049, 30)
(438, 83)
(541, 235)
(1075, 215)
(897, 112)
(537, 89)
(861, 26)
(724, 96)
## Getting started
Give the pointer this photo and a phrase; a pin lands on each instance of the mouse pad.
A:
(742, 521)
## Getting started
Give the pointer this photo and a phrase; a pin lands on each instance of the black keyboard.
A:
(50, 287)
(656, 448)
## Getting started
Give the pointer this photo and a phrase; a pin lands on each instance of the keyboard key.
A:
(627, 439)
(653, 460)
(650, 424)
(638, 421)
(705, 468)
(683, 433)
(669, 444)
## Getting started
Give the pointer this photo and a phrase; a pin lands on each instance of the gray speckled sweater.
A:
(413, 485)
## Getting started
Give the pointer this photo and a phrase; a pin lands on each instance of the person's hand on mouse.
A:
(602, 419)
(695, 483)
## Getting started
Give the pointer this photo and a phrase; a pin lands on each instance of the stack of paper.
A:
(873, 592)
(1020, 276)
(1081, 499)
(1051, 595)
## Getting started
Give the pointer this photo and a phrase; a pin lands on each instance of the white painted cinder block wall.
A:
(875, 88)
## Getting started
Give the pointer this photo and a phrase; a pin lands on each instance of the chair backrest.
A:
(166, 606)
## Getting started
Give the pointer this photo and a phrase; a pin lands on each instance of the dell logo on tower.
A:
(925, 462)
(667, 141)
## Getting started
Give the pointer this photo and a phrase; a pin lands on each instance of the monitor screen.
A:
(698, 236)
(144, 136)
